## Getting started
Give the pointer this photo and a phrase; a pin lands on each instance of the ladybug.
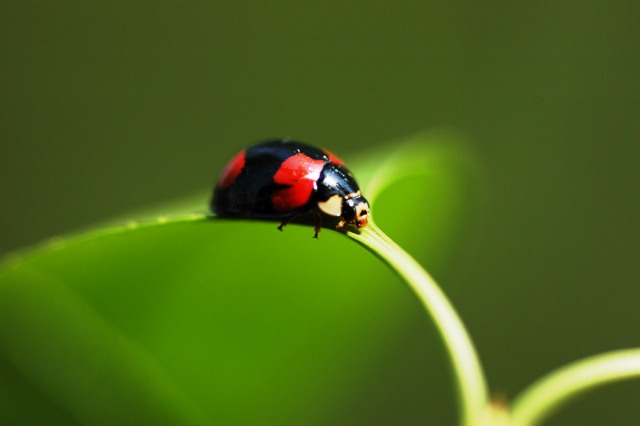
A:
(279, 179)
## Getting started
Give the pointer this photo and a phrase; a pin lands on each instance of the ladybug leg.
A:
(318, 218)
(285, 221)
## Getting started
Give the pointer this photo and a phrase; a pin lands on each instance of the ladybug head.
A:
(352, 208)
(356, 211)
(338, 194)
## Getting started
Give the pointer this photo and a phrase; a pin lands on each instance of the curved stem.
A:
(471, 383)
(547, 394)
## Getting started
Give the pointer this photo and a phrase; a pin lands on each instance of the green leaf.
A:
(191, 320)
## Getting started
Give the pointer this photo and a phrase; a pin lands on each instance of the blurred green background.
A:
(107, 107)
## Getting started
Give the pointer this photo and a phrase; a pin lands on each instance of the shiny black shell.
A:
(280, 178)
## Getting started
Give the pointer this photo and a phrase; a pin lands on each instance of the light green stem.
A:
(471, 383)
(543, 397)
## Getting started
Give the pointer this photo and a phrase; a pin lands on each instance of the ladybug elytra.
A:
(280, 179)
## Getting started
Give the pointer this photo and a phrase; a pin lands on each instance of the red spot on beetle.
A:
(300, 173)
(230, 174)
(334, 158)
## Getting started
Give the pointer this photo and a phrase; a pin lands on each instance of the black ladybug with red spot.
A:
(280, 179)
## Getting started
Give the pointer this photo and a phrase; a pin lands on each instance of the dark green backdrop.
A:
(107, 107)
